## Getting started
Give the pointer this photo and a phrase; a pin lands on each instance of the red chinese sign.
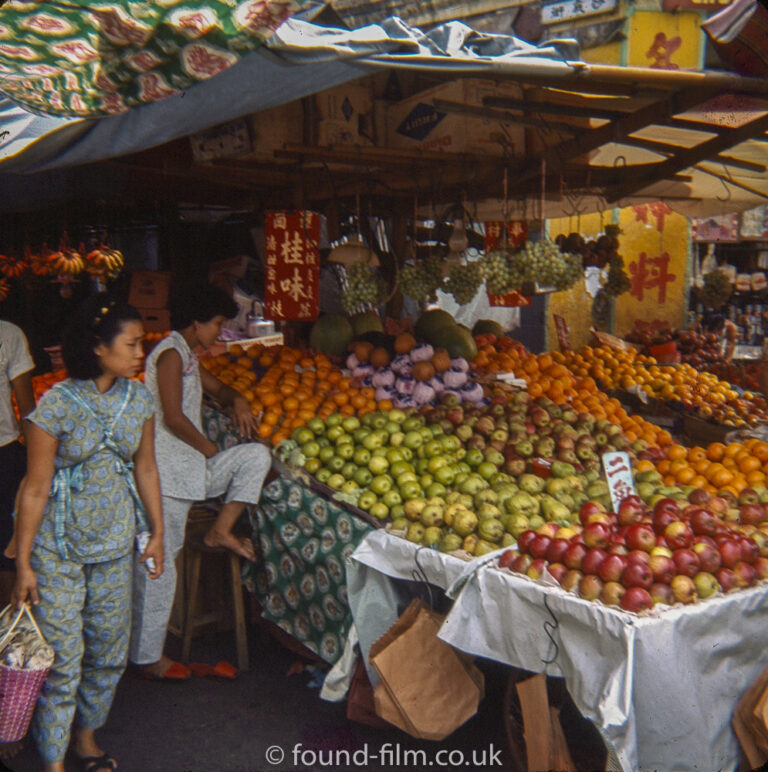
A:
(563, 334)
(517, 233)
(661, 50)
(618, 472)
(648, 273)
(657, 210)
(292, 288)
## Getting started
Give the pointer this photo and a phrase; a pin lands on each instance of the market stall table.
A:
(661, 688)
(303, 540)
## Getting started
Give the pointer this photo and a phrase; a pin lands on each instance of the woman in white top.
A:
(190, 465)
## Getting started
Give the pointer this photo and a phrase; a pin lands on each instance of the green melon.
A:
(331, 334)
(367, 322)
(457, 340)
(488, 327)
(430, 322)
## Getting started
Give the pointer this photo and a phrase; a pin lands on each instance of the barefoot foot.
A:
(242, 547)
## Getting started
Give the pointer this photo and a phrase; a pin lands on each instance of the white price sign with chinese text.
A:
(618, 472)
(563, 10)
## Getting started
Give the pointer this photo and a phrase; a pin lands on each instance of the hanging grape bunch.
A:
(617, 282)
(422, 279)
(716, 290)
(464, 281)
(364, 288)
(499, 279)
(549, 267)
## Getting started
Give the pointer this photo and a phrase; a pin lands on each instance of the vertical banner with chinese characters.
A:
(618, 473)
(665, 41)
(517, 233)
(292, 287)
(654, 243)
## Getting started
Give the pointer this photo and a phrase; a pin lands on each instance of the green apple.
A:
(392, 498)
(396, 415)
(350, 486)
(400, 467)
(372, 441)
(360, 434)
(412, 423)
(323, 441)
(396, 439)
(415, 532)
(367, 500)
(413, 508)
(345, 450)
(432, 536)
(474, 457)
(435, 463)
(351, 423)
(391, 427)
(345, 439)
(362, 456)
(394, 455)
(378, 464)
(348, 470)
(425, 479)
(445, 475)
(379, 452)
(433, 448)
(426, 434)
(367, 419)
(335, 464)
(363, 476)
(451, 443)
(379, 421)
(381, 483)
(313, 464)
(463, 467)
(310, 449)
(334, 419)
(436, 429)
(335, 481)
(487, 470)
(334, 432)
(301, 435)
(399, 524)
(326, 453)
(323, 474)
(422, 465)
(397, 513)
(436, 489)
(405, 477)
(407, 453)
(411, 490)
(379, 510)
(316, 425)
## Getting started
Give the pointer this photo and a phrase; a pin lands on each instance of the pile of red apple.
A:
(641, 555)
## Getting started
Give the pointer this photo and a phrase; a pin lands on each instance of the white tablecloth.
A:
(661, 689)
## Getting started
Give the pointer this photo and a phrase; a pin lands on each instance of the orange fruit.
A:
(715, 451)
(749, 464)
(675, 452)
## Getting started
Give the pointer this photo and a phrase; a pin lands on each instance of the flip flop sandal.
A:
(176, 672)
(94, 763)
(220, 669)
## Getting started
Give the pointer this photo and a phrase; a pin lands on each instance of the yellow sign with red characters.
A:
(665, 41)
(654, 243)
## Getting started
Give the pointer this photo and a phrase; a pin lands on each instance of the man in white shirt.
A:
(16, 367)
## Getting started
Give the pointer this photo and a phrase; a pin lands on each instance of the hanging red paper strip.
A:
(517, 233)
(292, 288)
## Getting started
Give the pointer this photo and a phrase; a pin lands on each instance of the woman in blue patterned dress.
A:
(91, 484)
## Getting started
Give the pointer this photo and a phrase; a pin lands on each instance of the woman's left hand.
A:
(245, 420)
(155, 551)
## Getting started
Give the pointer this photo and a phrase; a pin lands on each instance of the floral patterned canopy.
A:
(92, 58)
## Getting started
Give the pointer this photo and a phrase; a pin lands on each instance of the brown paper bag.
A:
(749, 721)
(427, 688)
(545, 743)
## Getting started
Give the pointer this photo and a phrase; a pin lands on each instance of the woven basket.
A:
(19, 688)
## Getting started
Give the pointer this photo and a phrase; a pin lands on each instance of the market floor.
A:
(213, 725)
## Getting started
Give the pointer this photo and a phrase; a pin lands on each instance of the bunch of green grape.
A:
(498, 277)
(617, 282)
(422, 279)
(548, 266)
(364, 288)
(464, 281)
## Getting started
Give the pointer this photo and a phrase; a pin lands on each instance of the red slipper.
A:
(175, 672)
(221, 669)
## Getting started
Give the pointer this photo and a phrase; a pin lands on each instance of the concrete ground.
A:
(213, 725)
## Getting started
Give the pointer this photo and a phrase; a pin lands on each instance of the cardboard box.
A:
(149, 289)
(415, 123)
(155, 319)
(345, 116)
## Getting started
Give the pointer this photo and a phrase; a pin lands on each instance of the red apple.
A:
(548, 529)
(571, 580)
(745, 573)
(726, 579)
(662, 593)
(557, 571)
(589, 508)
(524, 539)
(631, 510)
(537, 568)
(699, 496)
(611, 569)
(665, 512)
(637, 575)
(678, 535)
(706, 584)
(557, 549)
(606, 518)
(705, 540)
(573, 556)
(709, 556)
(662, 568)
(750, 552)
(684, 589)
(593, 560)
(730, 552)
(659, 550)
(505, 561)
(761, 568)
(537, 548)
(640, 537)
(618, 547)
(590, 587)
(687, 562)
(703, 522)
(636, 599)
(597, 535)
(612, 593)
(639, 556)
(751, 514)
(717, 504)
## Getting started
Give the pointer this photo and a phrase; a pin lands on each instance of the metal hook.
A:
(549, 628)
(728, 193)
(420, 575)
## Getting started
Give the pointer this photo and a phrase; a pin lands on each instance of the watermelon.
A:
(488, 327)
(331, 334)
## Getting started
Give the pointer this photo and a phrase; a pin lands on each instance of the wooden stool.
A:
(195, 548)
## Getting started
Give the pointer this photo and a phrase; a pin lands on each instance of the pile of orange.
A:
(718, 467)
(549, 375)
(701, 392)
(296, 387)
(496, 355)
(41, 384)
